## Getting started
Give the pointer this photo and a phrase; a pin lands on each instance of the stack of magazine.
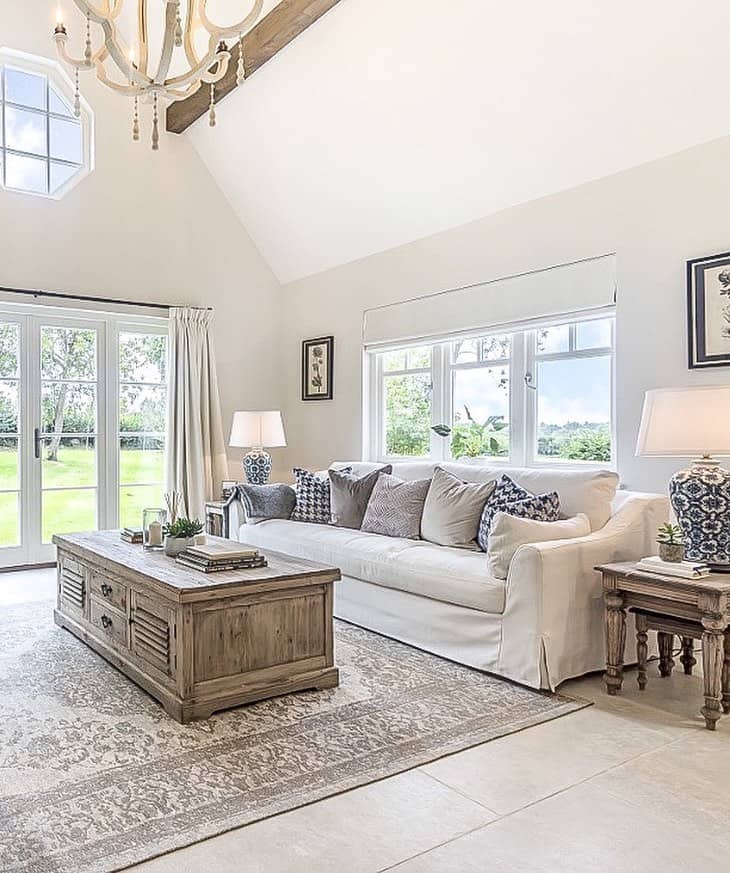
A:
(132, 535)
(224, 555)
(682, 569)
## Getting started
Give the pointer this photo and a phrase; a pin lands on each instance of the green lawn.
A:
(75, 509)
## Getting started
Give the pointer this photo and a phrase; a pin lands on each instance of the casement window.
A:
(529, 397)
(45, 149)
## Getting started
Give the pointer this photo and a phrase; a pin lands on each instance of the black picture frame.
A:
(708, 327)
(318, 353)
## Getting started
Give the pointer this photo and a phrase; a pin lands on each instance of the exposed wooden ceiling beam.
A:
(283, 24)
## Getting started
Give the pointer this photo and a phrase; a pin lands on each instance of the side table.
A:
(688, 608)
(216, 518)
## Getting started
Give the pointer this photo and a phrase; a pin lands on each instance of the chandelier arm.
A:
(120, 88)
(235, 29)
(202, 70)
(168, 44)
(61, 40)
(191, 19)
(210, 78)
(144, 47)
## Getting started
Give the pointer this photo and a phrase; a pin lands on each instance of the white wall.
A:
(145, 225)
(654, 217)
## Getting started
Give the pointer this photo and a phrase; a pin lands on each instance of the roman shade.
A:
(578, 290)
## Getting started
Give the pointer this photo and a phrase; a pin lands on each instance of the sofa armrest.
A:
(236, 515)
(554, 590)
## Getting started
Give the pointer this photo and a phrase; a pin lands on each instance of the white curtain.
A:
(196, 455)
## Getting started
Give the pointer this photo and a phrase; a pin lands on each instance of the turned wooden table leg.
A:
(642, 649)
(615, 641)
(666, 662)
(687, 658)
(713, 659)
(726, 675)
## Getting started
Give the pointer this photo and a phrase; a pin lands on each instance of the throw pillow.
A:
(267, 501)
(349, 496)
(509, 532)
(453, 509)
(396, 507)
(546, 507)
(313, 497)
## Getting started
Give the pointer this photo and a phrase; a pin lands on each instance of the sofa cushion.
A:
(509, 532)
(515, 500)
(590, 491)
(452, 510)
(396, 507)
(349, 495)
(453, 576)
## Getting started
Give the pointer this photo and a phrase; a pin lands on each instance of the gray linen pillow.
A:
(396, 507)
(349, 496)
(453, 509)
(267, 501)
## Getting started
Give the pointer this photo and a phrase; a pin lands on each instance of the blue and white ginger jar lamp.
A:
(257, 431)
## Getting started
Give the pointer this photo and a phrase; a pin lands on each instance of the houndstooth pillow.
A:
(313, 497)
(513, 499)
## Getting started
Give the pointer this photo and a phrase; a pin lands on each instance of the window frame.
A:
(523, 398)
(56, 78)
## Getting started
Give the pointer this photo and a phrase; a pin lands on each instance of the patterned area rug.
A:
(94, 776)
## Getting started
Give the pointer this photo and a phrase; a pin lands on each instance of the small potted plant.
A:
(671, 543)
(180, 534)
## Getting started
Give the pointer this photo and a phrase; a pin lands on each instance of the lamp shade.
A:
(685, 422)
(257, 429)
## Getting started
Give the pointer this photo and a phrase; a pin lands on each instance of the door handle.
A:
(38, 442)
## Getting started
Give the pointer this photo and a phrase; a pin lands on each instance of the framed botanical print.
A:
(318, 368)
(708, 311)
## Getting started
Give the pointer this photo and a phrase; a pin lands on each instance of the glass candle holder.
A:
(153, 522)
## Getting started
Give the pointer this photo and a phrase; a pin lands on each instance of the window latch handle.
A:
(530, 381)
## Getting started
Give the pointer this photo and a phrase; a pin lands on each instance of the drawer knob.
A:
(106, 622)
(106, 590)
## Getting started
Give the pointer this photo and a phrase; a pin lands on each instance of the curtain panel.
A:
(196, 454)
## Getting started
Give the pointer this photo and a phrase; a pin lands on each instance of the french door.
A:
(82, 411)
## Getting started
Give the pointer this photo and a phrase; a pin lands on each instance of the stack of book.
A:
(216, 556)
(682, 569)
(132, 535)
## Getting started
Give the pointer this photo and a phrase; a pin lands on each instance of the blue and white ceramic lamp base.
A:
(257, 466)
(700, 499)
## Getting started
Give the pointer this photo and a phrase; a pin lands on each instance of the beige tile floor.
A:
(632, 782)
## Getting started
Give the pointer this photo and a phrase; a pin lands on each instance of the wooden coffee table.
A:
(198, 642)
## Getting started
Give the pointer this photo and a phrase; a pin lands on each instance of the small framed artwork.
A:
(318, 357)
(708, 311)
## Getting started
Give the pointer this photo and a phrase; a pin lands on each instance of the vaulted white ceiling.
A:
(390, 120)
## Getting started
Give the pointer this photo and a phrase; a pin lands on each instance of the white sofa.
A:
(540, 626)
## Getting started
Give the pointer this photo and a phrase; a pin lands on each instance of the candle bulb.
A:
(59, 21)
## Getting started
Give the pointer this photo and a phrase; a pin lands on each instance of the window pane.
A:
(134, 499)
(481, 412)
(394, 360)
(26, 131)
(68, 461)
(57, 104)
(418, 359)
(574, 409)
(9, 520)
(68, 353)
(142, 357)
(496, 348)
(9, 459)
(66, 144)
(26, 174)
(142, 408)
(60, 174)
(465, 351)
(68, 512)
(593, 334)
(68, 408)
(408, 415)
(9, 350)
(26, 89)
(553, 339)
(141, 460)
(8, 407)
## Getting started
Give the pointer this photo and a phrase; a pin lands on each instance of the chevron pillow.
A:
(395, 507)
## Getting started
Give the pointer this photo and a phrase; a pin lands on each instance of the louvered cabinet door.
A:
(72, 586)
(152, 633)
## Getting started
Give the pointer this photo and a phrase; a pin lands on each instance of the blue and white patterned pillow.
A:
(513, 499)
(313, 497)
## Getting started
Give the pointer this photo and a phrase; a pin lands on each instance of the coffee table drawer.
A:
(109, 590)
(110, 621)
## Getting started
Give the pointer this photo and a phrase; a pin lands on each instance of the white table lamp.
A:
(694, 423)
(257, 431)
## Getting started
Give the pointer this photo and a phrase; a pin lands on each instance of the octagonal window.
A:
(44, 148)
